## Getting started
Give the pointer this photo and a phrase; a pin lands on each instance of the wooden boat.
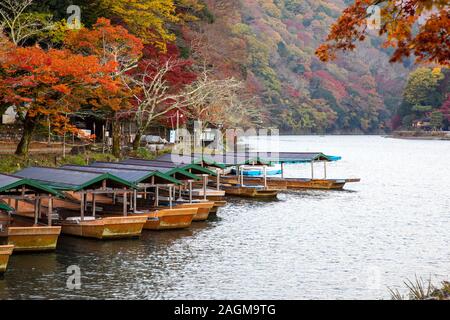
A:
(21, 233)
(258, 192)
(5, 253)
(295, 183)
(107, 228)
(101, 228)
(217, 196)
(318, 184)
(203, 211)
(25, 234)
(34, 238)
(170, 219)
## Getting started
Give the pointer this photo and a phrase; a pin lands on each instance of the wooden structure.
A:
(26, 234)
(200, 191)
(81, 189)
(281, 183)
(204, 207)
(5, 253)
(141, 204)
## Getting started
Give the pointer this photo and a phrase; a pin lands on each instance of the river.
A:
(352, 244)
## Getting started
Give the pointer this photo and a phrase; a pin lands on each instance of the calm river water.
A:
(353, 244)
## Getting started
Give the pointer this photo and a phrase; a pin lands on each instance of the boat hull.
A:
(297, 183)
(33, 238)
(204, 209)
(170, 219)
(248, 192)
(5, 253)
(108, 228)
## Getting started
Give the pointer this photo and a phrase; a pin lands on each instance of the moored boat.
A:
(26, 233)
(258, 192)
(170, 219)
(78, 187)
(203, 211)
(5, 253)
(295, 183)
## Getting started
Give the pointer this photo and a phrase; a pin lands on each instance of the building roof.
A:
(9, 183)
(176, 173)
(132, 176)
(193, 168)
(70, 180)
(257, 158)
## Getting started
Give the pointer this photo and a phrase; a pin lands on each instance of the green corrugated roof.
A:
(8, 182)
(69, 180)
(132, 176)
(5, 207)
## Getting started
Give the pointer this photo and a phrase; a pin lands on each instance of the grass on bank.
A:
(423, 290)
(12, 163)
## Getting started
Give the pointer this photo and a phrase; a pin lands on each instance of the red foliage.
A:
(180, 74)
(445, 109)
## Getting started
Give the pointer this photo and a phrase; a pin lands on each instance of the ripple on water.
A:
(306, 245)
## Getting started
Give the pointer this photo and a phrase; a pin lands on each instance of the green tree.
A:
(436, 120)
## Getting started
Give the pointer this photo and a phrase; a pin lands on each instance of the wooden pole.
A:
(135, 201)
(312, 170)
(265, 177)
(40, 207)
(325, 169)
(125, 204)
(218, 179)
(190, 191)
(205, 182)
(50, 211)
(157, 196)
(170, 197)
(93, 205)
(82, 206)
(36, 213)
(103, 138)
(282, 170)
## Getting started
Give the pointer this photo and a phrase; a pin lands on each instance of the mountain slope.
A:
(271, 44)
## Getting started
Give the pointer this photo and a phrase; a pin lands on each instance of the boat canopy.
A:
(193, 168)
(252, 158)
(205, 161)
(132, 176)
(304, 157)
(5, 207)
(70, 180)
(176, 173)
(11, 185)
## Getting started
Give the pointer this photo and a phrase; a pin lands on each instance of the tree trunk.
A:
(137, 140)
(29, 126)
(116, 136)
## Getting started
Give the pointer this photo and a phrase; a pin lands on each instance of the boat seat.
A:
(78, 219)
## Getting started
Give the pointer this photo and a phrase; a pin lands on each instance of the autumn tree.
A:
(419, 28)
(19, 23)
(157, 87)
(111, 44)
(147, 18)
(48, 84)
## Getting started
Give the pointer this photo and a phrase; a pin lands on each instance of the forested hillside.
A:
(271, 44)
(228, 63)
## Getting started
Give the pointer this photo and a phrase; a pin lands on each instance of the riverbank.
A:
(423, 290)
(420, 135)
(10, 163)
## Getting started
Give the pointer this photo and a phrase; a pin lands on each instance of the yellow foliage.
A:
(147, 18)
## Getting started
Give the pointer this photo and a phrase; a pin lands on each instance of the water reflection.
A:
(307, 244)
